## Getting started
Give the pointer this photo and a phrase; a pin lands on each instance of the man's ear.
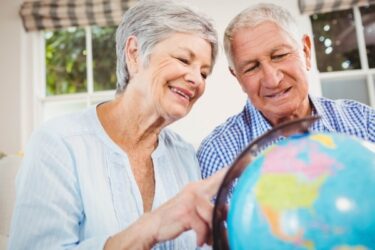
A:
(306, 43)
(132, 55)
(231, 70)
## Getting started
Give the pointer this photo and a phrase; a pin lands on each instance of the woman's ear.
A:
(231, 70)
(132, 55)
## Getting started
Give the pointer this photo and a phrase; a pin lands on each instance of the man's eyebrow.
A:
(282, 46)
(252, 61)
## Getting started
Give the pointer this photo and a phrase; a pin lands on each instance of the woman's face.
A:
(175, 77)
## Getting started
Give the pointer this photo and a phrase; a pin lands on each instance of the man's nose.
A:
(272, 76)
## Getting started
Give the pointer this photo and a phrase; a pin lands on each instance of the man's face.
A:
(272, 69)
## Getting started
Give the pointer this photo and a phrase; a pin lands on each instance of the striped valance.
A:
(57, 14)
(309, 7)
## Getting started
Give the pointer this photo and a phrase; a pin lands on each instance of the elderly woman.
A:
(112, 176)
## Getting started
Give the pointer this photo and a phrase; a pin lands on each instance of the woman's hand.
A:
(189, 209)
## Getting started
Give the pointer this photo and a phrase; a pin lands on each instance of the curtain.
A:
(309, 7)
(57, 14)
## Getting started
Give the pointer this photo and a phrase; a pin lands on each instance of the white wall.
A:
(223, 96)
(10, 83)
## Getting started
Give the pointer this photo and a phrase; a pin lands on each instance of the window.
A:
(79, 69)
(345, 53)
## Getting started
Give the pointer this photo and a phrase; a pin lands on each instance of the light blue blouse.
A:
(76, 188)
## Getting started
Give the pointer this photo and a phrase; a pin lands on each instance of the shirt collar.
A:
(259, 125)
(256, 121)
(318, 109)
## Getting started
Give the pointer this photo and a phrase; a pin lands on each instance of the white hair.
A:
(153, 21)
(255, 15)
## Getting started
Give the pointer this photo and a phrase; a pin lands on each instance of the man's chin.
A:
(280, 116)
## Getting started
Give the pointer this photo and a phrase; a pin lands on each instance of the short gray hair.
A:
(256, 15)
(153, 21)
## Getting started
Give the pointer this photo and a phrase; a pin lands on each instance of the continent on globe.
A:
(308, 191)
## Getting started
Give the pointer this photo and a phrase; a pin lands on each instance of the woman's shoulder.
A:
(57, 131)
(70, 124)
(171, 138)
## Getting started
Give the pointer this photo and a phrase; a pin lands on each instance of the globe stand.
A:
(298, 126)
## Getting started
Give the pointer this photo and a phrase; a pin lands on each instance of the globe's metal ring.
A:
(298, 126)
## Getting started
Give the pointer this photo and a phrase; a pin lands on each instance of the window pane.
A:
(98, 100)
(65, 61)
(335, 41)
(368, 21)
(104, 58)
(51, 109)
(355, 89)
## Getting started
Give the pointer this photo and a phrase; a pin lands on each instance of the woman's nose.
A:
(194, 76)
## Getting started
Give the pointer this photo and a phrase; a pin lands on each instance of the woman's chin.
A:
(177, 115)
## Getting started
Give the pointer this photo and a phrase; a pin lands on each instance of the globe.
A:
(308, 191)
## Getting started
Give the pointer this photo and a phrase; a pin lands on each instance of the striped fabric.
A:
(309, 7)
(228, 140)
(57, 14)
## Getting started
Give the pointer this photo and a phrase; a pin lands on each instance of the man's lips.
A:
(278, 94)
(182, 92)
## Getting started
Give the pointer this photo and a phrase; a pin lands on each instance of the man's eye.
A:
(251, 68)
(279, 56)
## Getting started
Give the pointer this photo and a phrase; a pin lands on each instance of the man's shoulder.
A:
(346, 116)
(224, 143)
(343, 107)
(231, 128)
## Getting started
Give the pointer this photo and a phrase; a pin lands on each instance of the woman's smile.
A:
(181, 92)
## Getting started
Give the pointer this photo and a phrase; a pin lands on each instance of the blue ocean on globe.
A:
(308, 191)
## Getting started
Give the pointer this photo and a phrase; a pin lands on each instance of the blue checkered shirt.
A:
(222, 146)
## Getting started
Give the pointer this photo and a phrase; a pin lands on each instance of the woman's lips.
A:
(182, 92)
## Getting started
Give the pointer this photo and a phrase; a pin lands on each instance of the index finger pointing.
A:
(212, 183)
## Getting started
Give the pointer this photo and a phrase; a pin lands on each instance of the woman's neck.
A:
(130, 124)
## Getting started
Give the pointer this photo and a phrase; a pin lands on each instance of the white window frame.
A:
(90, 97)
(365, 71)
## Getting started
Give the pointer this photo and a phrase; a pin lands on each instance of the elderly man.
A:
(271, 60)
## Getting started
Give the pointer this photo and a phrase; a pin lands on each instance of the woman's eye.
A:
(183, 60)
(204, 76)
